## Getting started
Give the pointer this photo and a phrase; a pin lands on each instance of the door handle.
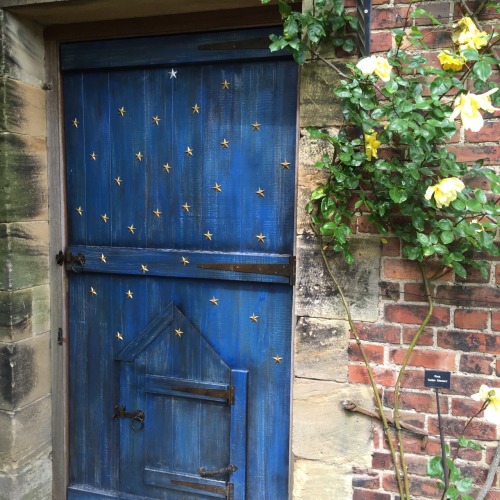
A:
(228, 469)
(136, 418)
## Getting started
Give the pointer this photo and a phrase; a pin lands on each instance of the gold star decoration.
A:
(184, 260)
(225, 85)
(217, 188)
(93, 156)
(131, 228)
(178, 332)
(129, 294)
(79, 210)
(156, 120)
(139, 156)
(157, 213)
(167, 167)
(104, 218)
(189, 151)
(92, 291)
(277, 358)
(256, 126)
(186, 207)
(196, 108)
(208, 235)
(75, 123)
(144, 269)
(214, 301)
(121, 111)
(119, 336)
(102, 258)
(118, 181)
(254, 318)
(285, 164)
(260, 237)
(172, 73)
(225, 143)
(260, 192)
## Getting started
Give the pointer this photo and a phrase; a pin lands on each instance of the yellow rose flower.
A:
(468, 106)
(468, 36)
(451, 61)
(371, 145)
(492, 397)
(375, 64)
(445, 191)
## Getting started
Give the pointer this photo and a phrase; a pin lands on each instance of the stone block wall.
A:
(340, 455)
(25, 407)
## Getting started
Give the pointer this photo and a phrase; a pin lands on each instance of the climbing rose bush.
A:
(391, 161)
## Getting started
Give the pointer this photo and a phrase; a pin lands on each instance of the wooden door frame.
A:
(54, 36)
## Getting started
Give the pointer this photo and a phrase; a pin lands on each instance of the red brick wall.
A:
(463, 335)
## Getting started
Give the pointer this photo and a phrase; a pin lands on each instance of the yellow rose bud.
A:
(371, 145)
(451, 61)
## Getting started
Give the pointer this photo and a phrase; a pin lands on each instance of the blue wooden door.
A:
(180, 155)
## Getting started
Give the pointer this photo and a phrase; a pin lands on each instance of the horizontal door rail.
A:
(259, 267)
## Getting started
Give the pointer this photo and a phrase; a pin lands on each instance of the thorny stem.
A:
(367, 364)
(397, 388)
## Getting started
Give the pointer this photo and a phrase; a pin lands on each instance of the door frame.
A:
(55, 35)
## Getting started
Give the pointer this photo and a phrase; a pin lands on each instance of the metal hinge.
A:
(287, 270)
(73, 263)
(214, 393)
(226, 491)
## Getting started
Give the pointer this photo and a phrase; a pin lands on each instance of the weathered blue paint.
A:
(220, 344)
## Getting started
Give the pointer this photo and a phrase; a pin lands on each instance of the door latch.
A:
(73, 263)
(228, 469)
(136, 418)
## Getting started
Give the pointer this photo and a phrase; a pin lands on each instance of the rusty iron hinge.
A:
(214, 393)
(287, 270)
(73, 263)
(227, 491)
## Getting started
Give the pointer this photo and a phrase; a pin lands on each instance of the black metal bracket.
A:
(73, 263)
(364, 17)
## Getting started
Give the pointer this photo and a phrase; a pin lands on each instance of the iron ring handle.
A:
(139, 417)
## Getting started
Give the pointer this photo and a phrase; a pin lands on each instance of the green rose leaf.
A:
(482, 70)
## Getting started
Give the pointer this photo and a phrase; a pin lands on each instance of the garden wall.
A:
(389, 303)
